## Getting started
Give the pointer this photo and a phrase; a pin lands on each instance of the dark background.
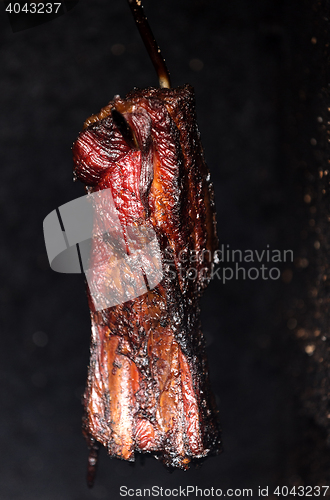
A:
(262, 105)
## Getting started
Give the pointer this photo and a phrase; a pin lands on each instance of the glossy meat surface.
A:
(148, 388)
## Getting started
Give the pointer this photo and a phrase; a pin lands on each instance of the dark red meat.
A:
(148, 387)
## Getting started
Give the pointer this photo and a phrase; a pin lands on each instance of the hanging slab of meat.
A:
(148, 387)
